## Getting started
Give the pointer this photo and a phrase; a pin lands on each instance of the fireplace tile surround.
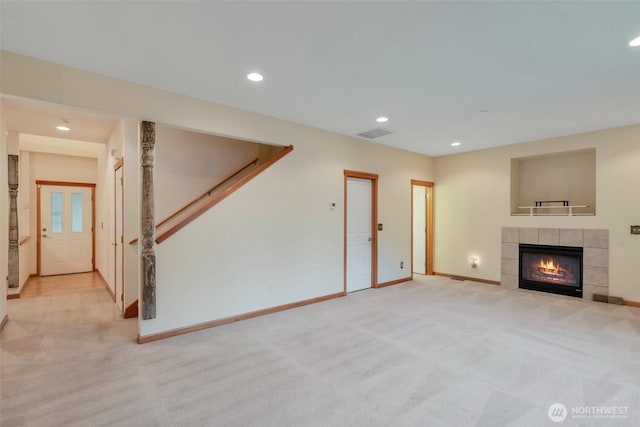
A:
(595, 244)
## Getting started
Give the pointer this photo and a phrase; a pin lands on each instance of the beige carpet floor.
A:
(432, 352)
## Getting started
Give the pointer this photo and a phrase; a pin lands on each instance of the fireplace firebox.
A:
(553, 269)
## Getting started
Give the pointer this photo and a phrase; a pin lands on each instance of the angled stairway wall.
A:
(188, 163)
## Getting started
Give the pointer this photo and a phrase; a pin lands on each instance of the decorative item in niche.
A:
(552, 207)
(554, 184)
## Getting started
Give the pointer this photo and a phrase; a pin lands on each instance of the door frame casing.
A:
(39, 184)
(374, 224)
(429, 222)
(118, 165)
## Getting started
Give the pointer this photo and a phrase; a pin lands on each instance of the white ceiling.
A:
(541, 69)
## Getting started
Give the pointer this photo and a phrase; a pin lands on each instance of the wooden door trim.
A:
(93, 228)
(422, 183)
(65, 184)
(39, 184)
(374, 224)
(118, 165)
(429, 222)
(38, 230)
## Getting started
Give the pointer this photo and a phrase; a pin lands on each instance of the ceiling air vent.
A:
(375, 133)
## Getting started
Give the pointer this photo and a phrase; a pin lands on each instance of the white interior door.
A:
(66, 243)
(419, 229)
(359, 238)
(118, 240)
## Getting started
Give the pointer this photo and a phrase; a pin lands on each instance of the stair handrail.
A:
(202, 196)
(224, 194)
(207, 193)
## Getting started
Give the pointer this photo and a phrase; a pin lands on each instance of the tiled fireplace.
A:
(594, 245)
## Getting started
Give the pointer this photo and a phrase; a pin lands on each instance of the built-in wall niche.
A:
(554, 184)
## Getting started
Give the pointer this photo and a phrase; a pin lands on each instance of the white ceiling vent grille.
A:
(375, 133)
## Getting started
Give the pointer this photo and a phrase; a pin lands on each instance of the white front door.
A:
(118, 239)
(359, 238)
(66, 237)
(419, 229)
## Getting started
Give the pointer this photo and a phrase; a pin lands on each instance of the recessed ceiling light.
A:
(382, 119)
(456, 144)
(635, 42)
(255, 77)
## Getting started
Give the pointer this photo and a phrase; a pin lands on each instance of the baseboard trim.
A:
(4, 322)
(472, 279)
(113, 297)
(394, 282)
(106, 285)
(13, 296)
(33, 275)
(101, 276)
(631, 303)
(206, 325)
(131, 311)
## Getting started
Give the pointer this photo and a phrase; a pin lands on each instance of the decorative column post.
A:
(148, 131)
(14, 257)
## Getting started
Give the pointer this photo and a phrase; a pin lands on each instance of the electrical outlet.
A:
(635, 229)
(401, 264)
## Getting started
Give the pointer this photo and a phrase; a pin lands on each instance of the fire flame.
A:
(550, 266)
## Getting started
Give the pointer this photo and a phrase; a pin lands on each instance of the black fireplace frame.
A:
(550, 287)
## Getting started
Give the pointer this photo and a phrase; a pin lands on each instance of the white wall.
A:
(105, 205)
(4, 218)
(132, 211)
(275, 241)
(24, 194)
(56, 167)
(188, 163)
(24, 253)
(472, 195)
(124, 140)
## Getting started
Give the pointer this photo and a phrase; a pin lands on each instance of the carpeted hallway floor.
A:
(432, 352)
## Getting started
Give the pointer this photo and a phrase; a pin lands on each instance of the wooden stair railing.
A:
(207, 193)
(223, 195)
(202, 196)
(217, 198)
